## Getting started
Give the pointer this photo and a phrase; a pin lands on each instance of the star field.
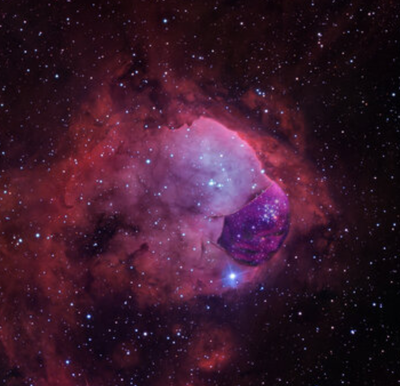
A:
(199, 193)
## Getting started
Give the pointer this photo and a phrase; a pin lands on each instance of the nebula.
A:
(134, 215)
(187, 193)
(161, 199)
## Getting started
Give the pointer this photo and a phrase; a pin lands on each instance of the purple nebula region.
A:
(252, 234)
(217, 187)
(219, 191)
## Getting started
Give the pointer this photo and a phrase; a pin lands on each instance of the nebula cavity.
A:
(213, 183)
(218, 175)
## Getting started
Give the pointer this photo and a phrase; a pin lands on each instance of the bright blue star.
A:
(231, 278)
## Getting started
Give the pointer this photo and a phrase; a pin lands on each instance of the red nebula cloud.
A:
(212, 349)
(99, 225)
